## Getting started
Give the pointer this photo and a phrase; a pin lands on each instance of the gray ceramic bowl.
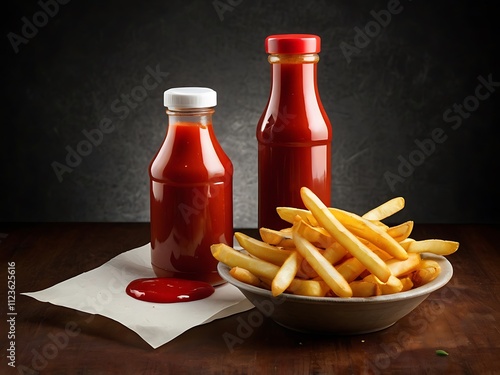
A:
(333, 315)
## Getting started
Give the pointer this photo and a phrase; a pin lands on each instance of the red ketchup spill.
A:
(168, 290)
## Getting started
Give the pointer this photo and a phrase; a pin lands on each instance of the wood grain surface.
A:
(462, 318)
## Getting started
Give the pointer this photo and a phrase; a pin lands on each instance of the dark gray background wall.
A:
(84, 66)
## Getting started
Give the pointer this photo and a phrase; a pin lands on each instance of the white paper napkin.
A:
(102, 291)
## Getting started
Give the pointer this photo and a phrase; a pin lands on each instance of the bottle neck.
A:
(194, 116)
(294, 74)
(302, 58)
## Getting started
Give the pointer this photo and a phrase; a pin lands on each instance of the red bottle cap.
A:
(293, 43)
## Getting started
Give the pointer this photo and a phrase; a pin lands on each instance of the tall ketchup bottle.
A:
(294, 133)
(190, 190)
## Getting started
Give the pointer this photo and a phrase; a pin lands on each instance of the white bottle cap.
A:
(190, 97)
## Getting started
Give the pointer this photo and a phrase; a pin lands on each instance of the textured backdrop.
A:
(411, 87)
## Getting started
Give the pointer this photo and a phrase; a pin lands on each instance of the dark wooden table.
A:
(462, 318)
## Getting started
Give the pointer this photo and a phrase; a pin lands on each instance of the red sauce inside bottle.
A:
(294, 142)
(191, 203)
(168, 290)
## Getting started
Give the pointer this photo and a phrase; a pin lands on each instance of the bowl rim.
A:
(440, 281)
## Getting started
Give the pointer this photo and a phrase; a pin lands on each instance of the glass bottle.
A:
(294, 133)
(190, 190)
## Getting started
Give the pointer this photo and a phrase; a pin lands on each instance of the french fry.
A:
(406, 243)
(312, 288)
(276, 237)
(262, 250)
(407, 283)
(402, 267)
(400, 232)
(306, 271)
(265, 271)
(429, 263)
(232, 258)
(379, 224)
(386, 209)
(380, 253)
(362, 288)
(393, 285)
(348, 240)
(286, 274)
(317, 261)
(350, 269)
(289, 213)
(439, 247)
(331, 252)
(334, 253)
(365, 229)
(244, 276)
(316, 235)
(427, 271)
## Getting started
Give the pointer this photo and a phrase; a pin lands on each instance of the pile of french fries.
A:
(330, 252)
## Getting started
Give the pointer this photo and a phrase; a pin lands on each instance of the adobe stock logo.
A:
(223, 6)
(276, 124)
(122, 107)
(245, 329)
(454, 115)
(30, 28)
(372, 29)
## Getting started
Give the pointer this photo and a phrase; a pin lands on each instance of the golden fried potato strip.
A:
(286, 273)
(332, 252)
(322, 266)
(427, 271)
(289, 213)
(439, 247)
(343, 236)
(386, 209)
(232, 258)
(365, 229)
(262, 250)
(244, 276)
(400, 232)
(276, 237)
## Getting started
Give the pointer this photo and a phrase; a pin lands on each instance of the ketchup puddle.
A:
(168, 290)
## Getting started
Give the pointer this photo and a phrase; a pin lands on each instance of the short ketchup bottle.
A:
(190, 190)
(294, 133)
